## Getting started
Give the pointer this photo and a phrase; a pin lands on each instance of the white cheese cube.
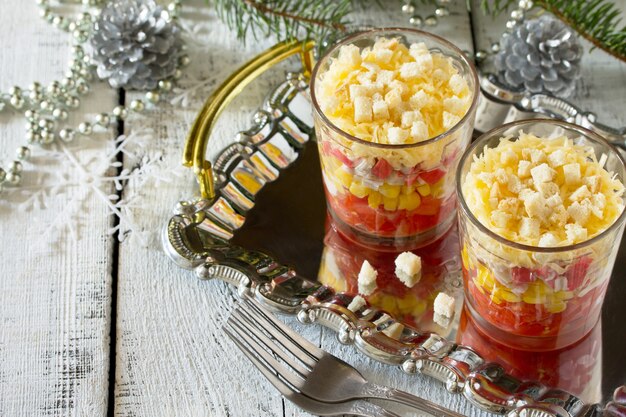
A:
(444, 305)
(362, 109)
(571, 172)
(557, 158)
(397, 135)
(350, 55)
(356, 304)
(419, 100)
(523, 169)
(408, 268)
(529, 228)
(579, 212)
(450, 120)
(548, 240)
(381, 110)
(367, 279)
(575, 233)
(393, 98)
(419, 131)
(542, 173)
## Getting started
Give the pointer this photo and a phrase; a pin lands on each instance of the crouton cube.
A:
(547, 189)
(581, 193)
(400, 86)
(444, 305)
(408, 268)
(356, 304)
(397, 135)
(450, 120)
(500, 218)
(408, 117)
(535, 206)
(419, 100)
(548, 240)
(593, 182)
(529, 228)
(362, 109)
(554, 200)
(571, 172)
(457, 84)
(536, 156)
(514, 184)
(542, 173)
(579, 212)
(508, 157)
(557, 158)
(385, 77)
(381, 110)
(383, 55)
(410, 70)
(419, 131)
(357, 90)
(454, 105)
(575, 233)
(558, 216)
(350, 55)
(367, 279)
(393, 98)
(523, 169)
(417, 49)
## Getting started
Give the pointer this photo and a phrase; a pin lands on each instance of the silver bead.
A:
(57, 21)
(525, 4)
(165, 85)
(54, 88)
(177, 74)
(85, 128)
(137, 105)
(68, 82)
(153, 96)
(82, 88)
(72, 102)
(17, 102)
(41, 2)
(23, 153)
(78, 51)
(15, 167)
(35, 95)
(44, 12)
(15, 91)
(510, 24)
(120, 112)
(480, 55)
(43, 123)
(442, 11)
(44, 105)
(67, 135)
(183, 61)
(32, 137)
(34, 86)
(47, 137)
(85, 17)
(14, 178)
(80, 35)
(174, 8)
(86, 74)
(59, 114)
(495, 47)
(517, 15)
(416, 21)
(431, 21)
(103, 119)
(71, 26)
(408, 8)
(31, 115)
(3, 175)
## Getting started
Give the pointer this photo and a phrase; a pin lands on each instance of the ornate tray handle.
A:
(197, 237)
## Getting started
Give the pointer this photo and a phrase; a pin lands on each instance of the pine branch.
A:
(284, 18)
(595, 20)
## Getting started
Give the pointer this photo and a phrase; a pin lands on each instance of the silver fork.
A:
(316, 373)
(313, 406)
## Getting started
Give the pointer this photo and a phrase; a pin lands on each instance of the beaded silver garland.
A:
(44, 108)
(441, 11)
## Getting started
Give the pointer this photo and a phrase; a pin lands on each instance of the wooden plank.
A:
(55, 286)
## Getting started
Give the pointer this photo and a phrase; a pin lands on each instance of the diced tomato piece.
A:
(432, 176)
(429, 206)
(382, 169)
(521, 275)
(576, 273)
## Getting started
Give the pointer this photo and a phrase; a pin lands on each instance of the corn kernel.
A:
(424, 189)
(344, 177)
(359, 190)
(374, 199)
(390, 190)
(390, 203)
(413, 201)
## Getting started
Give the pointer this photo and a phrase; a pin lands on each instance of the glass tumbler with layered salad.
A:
(394, 110)
(541, 218)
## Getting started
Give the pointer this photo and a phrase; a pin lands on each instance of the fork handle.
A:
(367, 409)
(402, 397)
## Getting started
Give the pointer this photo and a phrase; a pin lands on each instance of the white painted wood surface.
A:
(54, 288)
(171, 358)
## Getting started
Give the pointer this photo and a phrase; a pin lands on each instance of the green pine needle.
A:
(598, 21)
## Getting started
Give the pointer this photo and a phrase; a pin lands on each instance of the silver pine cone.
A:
(541, 55)
(135, 44)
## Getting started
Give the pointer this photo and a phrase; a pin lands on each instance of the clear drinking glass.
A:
(387, 195)
(536, 298)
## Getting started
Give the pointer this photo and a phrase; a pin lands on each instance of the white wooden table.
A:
(91, 326)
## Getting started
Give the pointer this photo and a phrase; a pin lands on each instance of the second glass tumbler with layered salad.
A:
(394, 110)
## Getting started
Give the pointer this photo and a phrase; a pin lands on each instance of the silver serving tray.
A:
(264, 232)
